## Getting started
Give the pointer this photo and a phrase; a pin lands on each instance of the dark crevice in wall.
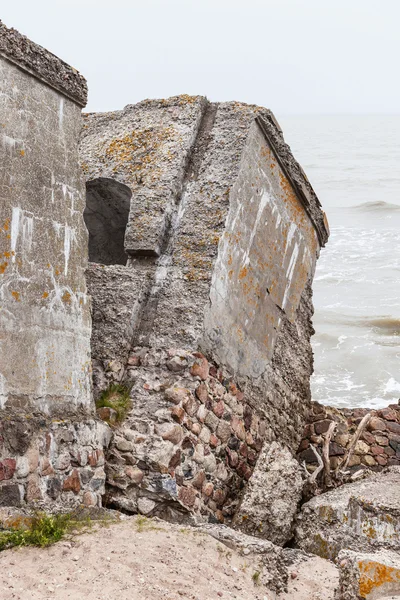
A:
(106, 216)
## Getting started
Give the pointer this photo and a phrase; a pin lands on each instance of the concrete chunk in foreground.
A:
(360, 516)
(271, 498)
(369, 576)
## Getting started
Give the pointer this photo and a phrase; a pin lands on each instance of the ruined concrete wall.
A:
(146, 147)
(45, 325)
(239, 230)
(116, 300)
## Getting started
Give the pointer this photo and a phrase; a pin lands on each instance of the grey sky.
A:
(294, 56)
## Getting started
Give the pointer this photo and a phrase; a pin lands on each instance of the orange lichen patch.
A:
(3, 267)
(240, 334)
(141, 147)
(373, 575)
(6, 225)
(7, 254)
(57, 271)
(243, 272)
(66, 297)
(186, 99)
(45, 294)
(22, 152)
(16, 296)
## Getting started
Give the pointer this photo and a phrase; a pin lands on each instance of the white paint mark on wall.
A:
(16, 214)
(9, 142)
(289, 273)
(61, 113)
(21, 228)
(265, 199)
(69, 239)
(3, 391)
(291, 232)
(57, 228)
(27, 233)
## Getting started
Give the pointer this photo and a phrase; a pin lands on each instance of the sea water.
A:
(353, 163)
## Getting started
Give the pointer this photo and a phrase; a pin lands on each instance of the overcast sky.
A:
(293, 56)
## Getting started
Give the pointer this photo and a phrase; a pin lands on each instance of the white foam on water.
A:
(391, 386)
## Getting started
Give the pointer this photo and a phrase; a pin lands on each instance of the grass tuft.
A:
(117, 397)
(41, 530)
(256, 577)
(143, 523)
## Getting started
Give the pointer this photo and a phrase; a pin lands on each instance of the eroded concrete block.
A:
(364, 515)
(117, 295)
(146, 147)
(272, 496)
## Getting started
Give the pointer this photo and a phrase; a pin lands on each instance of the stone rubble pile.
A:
(378, 447)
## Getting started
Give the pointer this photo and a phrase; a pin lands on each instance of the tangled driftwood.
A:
(340, 475)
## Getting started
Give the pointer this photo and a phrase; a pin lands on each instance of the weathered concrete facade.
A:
(45, 324)
(45, 321)
(211, 313)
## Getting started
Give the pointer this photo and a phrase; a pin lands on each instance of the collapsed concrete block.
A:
(364, 515)
(272, 496)
(368, 576)
(223, 232)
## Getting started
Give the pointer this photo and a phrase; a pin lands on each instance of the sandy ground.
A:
(130, 560)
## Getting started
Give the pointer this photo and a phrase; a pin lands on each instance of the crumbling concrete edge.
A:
(295, 175)
(43, 65)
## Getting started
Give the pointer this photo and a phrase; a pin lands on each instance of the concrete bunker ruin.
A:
(209, 323)
(212, 210)
(106, 216)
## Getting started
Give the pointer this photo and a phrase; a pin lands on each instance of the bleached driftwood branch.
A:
(361, 426)
(325, 453)
(313, 476)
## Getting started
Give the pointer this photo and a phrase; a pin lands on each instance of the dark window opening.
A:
(106, 217)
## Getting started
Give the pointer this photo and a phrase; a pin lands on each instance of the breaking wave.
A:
(378, 206)
(382, 325)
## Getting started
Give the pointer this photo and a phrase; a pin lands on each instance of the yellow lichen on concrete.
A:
(373, 575)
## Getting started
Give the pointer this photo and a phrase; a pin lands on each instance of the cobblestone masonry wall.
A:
(191, 441)
(210, 321)
(379, 444)
(53, 465)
